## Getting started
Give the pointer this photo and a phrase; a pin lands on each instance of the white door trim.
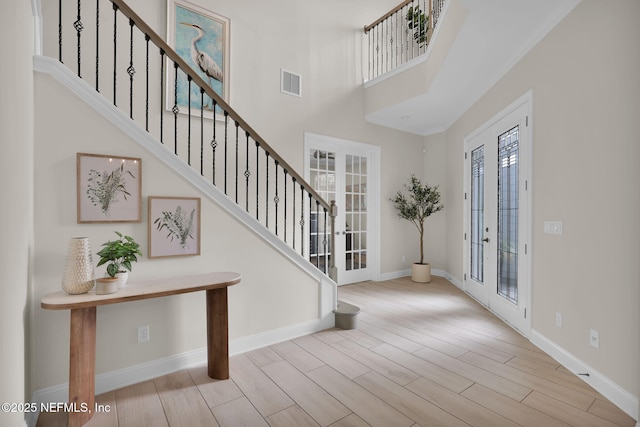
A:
(373, 181)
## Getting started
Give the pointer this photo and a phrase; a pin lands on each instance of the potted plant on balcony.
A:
(418, 21)
(118, 255)
(416, 206)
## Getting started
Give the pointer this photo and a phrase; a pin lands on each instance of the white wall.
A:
(273, 293)
(16, 193)
(321, 41)
(310, 39)
(586, 97)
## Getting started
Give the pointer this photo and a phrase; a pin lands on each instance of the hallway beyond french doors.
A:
(497, 214)
(345, 171)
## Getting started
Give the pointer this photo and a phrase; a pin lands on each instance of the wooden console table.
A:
(82, 353)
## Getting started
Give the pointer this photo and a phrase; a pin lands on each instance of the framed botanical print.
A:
(174, 226)
(109, 188)
(201, 38)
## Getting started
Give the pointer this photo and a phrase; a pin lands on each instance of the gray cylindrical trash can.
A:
(346, 315)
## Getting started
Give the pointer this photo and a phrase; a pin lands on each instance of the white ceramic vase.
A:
(79, 274)
(122, 276)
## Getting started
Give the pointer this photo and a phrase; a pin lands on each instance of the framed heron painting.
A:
(201, 39)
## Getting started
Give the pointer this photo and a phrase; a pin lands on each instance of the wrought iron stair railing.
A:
(113, 46)
(400, 35)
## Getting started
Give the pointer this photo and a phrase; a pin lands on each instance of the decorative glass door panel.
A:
(508, 204)
(497, 217)
(477, 214)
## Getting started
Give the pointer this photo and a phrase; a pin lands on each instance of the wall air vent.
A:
(290, 83)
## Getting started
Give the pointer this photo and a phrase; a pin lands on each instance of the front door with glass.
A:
(497, 216)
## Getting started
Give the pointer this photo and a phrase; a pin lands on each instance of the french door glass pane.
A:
(356, 212)
(322, 172)
(477, 214)
(508, 144)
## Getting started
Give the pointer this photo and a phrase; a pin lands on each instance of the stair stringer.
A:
(327, 287)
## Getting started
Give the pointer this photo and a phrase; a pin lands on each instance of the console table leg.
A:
(82, 359)
(217, 334)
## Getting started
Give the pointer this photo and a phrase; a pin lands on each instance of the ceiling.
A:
(494, 36)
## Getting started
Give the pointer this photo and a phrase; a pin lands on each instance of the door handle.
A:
(486, 240)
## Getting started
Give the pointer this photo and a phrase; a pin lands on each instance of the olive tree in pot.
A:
(416, 206)
(118, 255)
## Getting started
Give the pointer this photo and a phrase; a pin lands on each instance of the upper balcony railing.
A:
(112, 49)
(400, 35)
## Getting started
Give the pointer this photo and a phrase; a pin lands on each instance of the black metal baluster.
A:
(175, 109)
(266, 192)
(385, 38)
(377, 50)
(293, 213)
(397, 36)
(247, 174)
(79, 27)
(115, 52)
(161, 96)
(146, 102)
(369, 53)
(325, 243)
(317, 231)
(202, 131)
(226, 129)
(237, 141)
(60, 31)
(97, 43)
(131, 70)
(276, 199)
(189, 121)
(257, 180)
(403, 23)
(285, 204)
(214, 144)
(301, 220)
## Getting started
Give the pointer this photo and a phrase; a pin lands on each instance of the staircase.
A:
(122, 60)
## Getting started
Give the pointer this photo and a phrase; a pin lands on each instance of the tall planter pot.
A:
(421, 273)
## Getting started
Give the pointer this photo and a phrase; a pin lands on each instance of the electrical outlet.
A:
(594, 338)
(559, 319)
(143, 333)
(404, 258)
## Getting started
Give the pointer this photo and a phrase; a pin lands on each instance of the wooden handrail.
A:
(367, 28)
(171, 54)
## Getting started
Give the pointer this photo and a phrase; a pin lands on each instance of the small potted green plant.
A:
(118, 255)
(416, 206)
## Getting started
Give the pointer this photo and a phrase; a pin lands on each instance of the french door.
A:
(497, 211)
(342, 171)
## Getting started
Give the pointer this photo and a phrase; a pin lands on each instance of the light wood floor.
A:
(422, 355)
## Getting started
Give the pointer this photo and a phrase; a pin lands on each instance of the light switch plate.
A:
(553, 227)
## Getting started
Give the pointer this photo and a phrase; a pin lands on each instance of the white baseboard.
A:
(435, 271)
(145, 371)
(394, 275)
(264, 339)
(603, 385)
